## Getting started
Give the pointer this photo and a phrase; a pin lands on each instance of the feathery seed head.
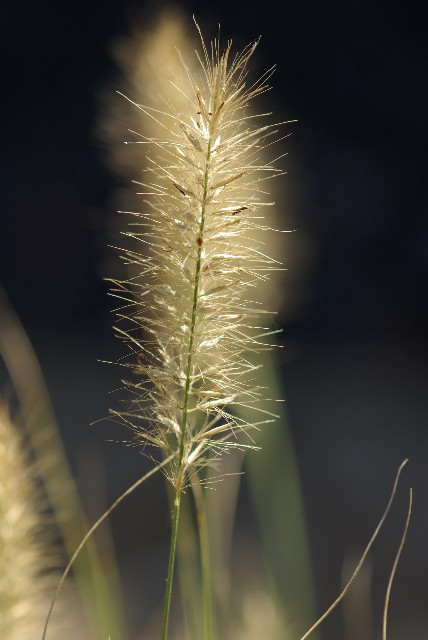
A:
(26, 557)
(191, 291)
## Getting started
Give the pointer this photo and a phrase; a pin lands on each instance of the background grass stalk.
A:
(171, 560)
(205, 559)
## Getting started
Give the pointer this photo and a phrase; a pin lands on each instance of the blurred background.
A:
(355, 311)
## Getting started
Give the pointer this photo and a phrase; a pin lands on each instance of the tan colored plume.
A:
(27, 559)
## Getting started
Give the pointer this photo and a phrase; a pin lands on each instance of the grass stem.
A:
(205, 556)
(171, 560)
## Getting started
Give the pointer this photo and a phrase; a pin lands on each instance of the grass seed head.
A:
(188, 317)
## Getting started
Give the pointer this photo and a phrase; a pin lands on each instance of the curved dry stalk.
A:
(394, 566)
(95, 527)
(363, 557)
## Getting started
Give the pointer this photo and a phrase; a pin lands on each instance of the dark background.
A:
(356, 343)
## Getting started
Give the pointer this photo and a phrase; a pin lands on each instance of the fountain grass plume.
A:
(190, 293)
(190, 289)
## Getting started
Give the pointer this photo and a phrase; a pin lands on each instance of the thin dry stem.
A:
(363, 557)
(394, 566)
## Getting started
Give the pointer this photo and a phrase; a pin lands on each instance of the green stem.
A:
(188, 569)
(168, 591)
(181, 467)
(205, 555)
